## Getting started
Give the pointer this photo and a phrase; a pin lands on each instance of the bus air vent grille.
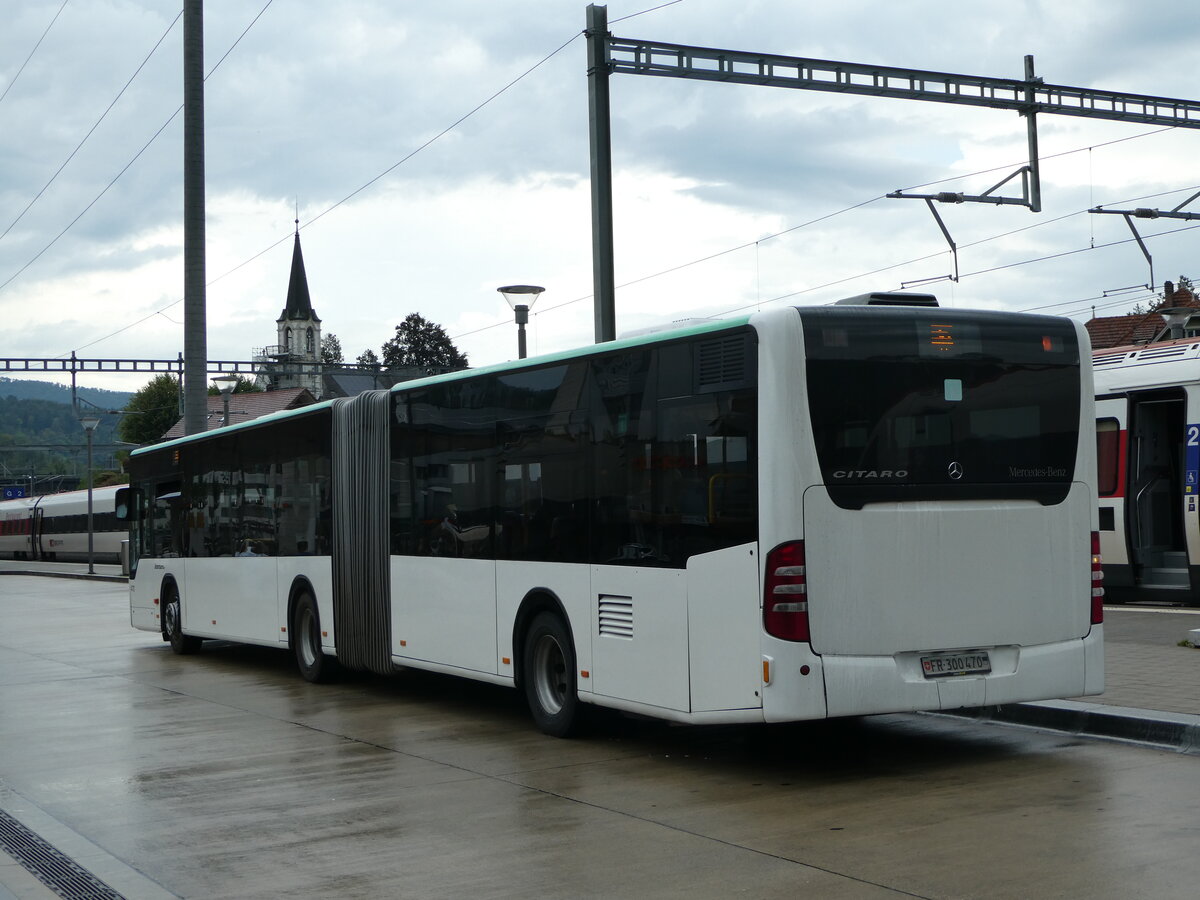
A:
(721, 362)
(616, 617)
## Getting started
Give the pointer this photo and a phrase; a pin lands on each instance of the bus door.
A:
(1154, 505)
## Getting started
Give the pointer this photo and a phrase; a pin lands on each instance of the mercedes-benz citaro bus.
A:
(875, 506)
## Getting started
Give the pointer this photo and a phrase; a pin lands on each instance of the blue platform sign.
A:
(1192, 459)
(13, 493)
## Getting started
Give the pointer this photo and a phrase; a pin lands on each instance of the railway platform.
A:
(128, 772)
(1152, 673)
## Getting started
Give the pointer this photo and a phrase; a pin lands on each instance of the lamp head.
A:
(521, 294)
(225, 383)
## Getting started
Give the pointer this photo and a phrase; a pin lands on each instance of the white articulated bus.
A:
(869, 507)
(1148, 447)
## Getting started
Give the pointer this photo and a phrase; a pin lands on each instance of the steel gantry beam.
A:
(639, 57)
(74, 364)
(1028, 96)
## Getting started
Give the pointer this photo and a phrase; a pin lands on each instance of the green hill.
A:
(42, 441)
(25, 389)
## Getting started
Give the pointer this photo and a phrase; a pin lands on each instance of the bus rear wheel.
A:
(305, 627)
(548, 674)
(172, 613)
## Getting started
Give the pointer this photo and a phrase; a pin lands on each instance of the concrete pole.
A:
(195, 328)
(601, 152)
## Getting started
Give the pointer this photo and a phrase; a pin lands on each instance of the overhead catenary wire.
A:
(644, 11)
(574, 36)
(127, 166)
(349, 196)
(13, 80)
(759, 302)
(453, 125)
(1011, 265)
(90, 131)
(1004, 168)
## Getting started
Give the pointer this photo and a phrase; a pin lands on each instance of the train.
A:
(1148, 460)
(53, 527)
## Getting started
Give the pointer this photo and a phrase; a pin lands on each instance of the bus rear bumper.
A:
(862, 685)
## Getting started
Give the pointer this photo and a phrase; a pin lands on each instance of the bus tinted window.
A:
(638, 457)
(442, 472)
(927, 404)
(255, 492)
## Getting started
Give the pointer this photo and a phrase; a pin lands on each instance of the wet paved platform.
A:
(226, 775)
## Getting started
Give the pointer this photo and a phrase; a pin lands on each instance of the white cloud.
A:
(316, 100)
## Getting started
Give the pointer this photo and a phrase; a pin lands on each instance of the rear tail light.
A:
(1097, 581)
(785, 593)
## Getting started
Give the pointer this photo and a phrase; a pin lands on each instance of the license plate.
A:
(945, 665)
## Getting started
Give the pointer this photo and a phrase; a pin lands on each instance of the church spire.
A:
(299, 303)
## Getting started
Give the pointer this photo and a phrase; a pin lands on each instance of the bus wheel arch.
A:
(172, 619)
(544, 649)
(304, 635)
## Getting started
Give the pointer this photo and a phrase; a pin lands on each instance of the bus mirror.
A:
(126, 504)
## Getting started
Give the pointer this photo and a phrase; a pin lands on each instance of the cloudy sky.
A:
(427, 171)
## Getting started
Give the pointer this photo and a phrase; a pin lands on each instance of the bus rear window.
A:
(928, 404)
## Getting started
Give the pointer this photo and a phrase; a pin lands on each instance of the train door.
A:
(35, 533)
(1154, 503)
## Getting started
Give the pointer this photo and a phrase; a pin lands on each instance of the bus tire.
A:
(172, 612)
(305, 628)
(548, 675)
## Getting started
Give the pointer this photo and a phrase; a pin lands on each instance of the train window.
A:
(1108, 456)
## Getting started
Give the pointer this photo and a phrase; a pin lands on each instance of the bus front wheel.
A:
(172, 612)
(549, 676)
(314, 665)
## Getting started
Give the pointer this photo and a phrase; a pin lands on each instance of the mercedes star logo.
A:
(954, 470)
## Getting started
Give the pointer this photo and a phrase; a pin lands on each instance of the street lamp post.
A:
(89, 424)
(514, 294)
(225, 384)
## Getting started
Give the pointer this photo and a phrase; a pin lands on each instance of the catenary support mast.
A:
(195, 335)
(1027, 96)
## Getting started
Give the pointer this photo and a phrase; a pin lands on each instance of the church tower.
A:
(298, 328)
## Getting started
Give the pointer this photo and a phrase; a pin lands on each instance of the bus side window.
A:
(164, 534)
(705, 482)
(1108, 456)
(622, 431)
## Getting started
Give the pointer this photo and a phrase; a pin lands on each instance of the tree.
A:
(419, 342)
(1169, 297)
(331, 350)
(151, 411)
(367, 360)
